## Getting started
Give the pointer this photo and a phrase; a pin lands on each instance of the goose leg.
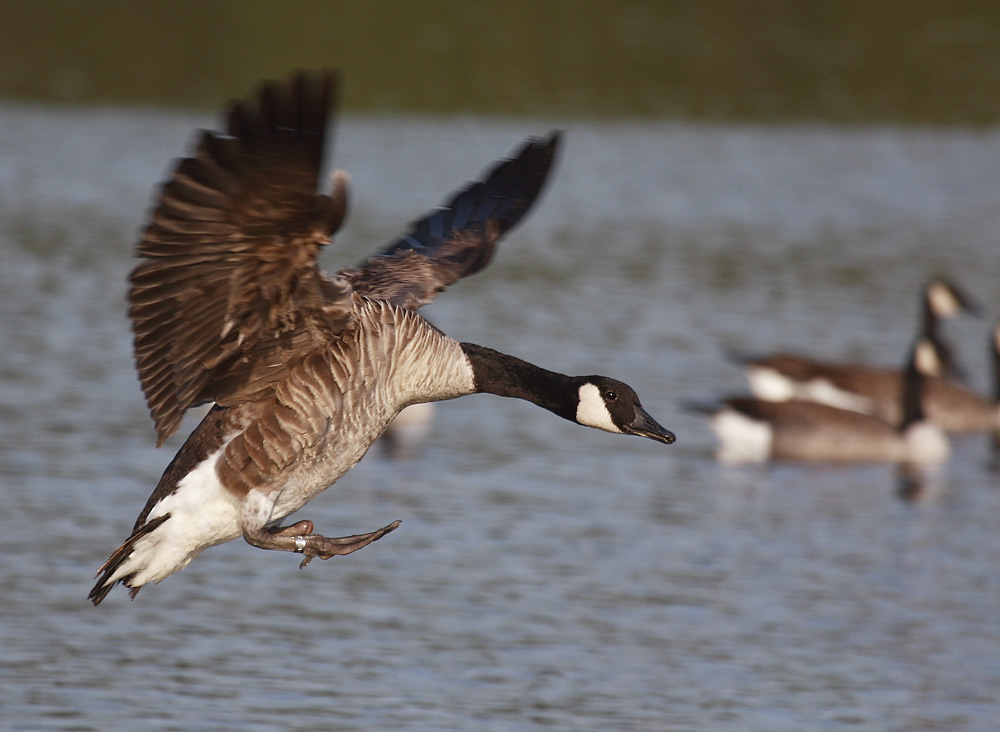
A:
(299, 538)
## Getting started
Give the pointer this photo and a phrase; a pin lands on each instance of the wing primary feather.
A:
(229, 255)
(457, 239)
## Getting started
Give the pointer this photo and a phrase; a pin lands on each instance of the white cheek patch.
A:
(591, 410)
(925, 359)
(942, 300)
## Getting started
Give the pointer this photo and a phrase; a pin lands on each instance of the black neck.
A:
(498, 373)
(995, 363)
(913, 388)
(929, 320)
(931, 334)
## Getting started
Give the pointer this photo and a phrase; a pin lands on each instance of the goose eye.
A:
(611, 396)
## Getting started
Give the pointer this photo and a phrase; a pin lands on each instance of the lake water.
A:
(544, 576)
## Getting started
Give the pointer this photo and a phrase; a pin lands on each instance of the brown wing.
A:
(228, 290)
(457, 239)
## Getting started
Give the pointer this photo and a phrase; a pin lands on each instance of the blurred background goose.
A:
(757, 430)
(871, 389)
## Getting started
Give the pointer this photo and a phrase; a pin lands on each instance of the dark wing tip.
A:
(457, 239)
(508, 190)
(299, 105)
(533, 164)
(279, 101)
(487, 208)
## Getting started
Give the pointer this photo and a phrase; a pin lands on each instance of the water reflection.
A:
(918, 483)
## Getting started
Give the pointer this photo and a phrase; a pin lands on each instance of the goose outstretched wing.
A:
(457, 239)
(228, 289)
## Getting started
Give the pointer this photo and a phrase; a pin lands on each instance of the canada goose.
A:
(869, 389)
(953, 407)
(756, 430)
(305, 370)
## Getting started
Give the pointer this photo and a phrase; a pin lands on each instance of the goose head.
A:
(613, 406)
(593, 401)
(944, 300)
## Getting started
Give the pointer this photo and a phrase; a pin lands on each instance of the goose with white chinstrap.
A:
(758, 430)
(306, 370)
(870, 389)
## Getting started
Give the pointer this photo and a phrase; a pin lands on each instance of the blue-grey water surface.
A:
(545, 576)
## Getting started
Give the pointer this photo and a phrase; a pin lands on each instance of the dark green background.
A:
(899, 61)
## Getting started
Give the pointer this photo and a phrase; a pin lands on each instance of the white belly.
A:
(741, 439)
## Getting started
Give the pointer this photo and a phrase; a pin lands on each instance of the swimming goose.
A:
(869, 389)
(757, 430)
(306, 370)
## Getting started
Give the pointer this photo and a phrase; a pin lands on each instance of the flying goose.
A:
(757, 430)
(871, 389)
(306, 370)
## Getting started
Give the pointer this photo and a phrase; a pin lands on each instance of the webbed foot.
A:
(324, 547)
(299, 538)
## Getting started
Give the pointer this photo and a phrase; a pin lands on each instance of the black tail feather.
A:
(104, 574)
